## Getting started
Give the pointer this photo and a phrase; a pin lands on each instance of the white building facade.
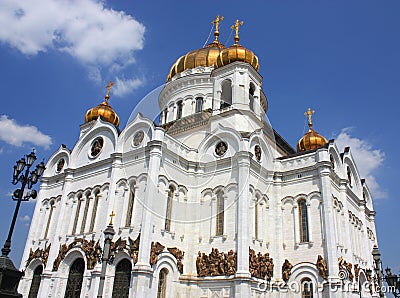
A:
(209, 202)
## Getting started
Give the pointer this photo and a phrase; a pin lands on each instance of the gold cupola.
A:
(103, 110)
(237, 52)
(206, 56)
(311, 140)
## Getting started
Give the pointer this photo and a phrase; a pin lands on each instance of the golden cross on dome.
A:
(216, 23)
(108, 90)
(236, 27)
(309, 114)
(111, 217)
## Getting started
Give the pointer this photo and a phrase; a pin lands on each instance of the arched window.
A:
(33, 292)
(168, 212)
(94, 212)
(219, 229)
(75, 278)
(85, 212)
(349, 175)
(252, 89)
(306, 288)
(165, 115)
(332, 162)
(122, 279)
(256, 207)
(49, 219)
(78, 210)
(162, 283)
(226, 95)
(303, 217)
(179, 106)
(129, 212)
(199, 104)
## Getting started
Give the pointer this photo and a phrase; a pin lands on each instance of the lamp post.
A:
(9, 275)
(108, 236)
(376, 254)
(393, 282)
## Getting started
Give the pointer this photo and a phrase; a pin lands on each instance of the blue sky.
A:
(339, 57)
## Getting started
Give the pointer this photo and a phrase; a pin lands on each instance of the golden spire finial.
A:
(216, 23)
(309, 114)
(236, 27)
(107, 97)
(111, 217)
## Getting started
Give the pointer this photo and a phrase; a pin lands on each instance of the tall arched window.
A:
(252, 90)
(332, 162)
(162, 283)
(303, 217)
(34, 290)
(199, 104)
(85, 212)
(122, 279)
(179, 106)
(49, 219)
(165, 115)
(256, 207)
(219, 228)
(129, 212)
(94, 212)
(75, 278)
(226, 94)
(168, 212)
(78, 210)
(349, 175)
(307, 288)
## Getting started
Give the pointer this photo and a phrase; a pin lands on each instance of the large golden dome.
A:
(237, 52)
(311, 140)
(206, 56)
(103, 110)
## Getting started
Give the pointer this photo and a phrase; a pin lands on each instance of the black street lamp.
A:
(393, 282)
(107, 254)
(376, 254)
(9, 275)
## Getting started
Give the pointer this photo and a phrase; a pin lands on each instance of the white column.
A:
(213, 217)
(242, 287)
(143, 271)
(89, 214)
(330, 233)
(296, 224)
(309, 221)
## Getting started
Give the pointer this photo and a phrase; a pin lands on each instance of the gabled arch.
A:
(51, 165)
(103, 129)
(348, 162)
(221, 133)
(334, 152)
(126, 137)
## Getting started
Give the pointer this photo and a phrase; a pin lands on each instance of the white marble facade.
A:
(167, 183)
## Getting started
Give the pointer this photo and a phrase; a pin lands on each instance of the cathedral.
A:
(206, 200)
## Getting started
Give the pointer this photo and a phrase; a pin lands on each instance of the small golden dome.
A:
(311, 140)
(103, 110)
(206, 56)
(237, 52)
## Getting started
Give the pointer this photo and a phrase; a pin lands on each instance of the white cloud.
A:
(25, 219)
(14, 134)
(126, 86)
(368, 159)
(85, 29)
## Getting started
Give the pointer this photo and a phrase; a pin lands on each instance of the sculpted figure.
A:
(322, 267)
(286, 270)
